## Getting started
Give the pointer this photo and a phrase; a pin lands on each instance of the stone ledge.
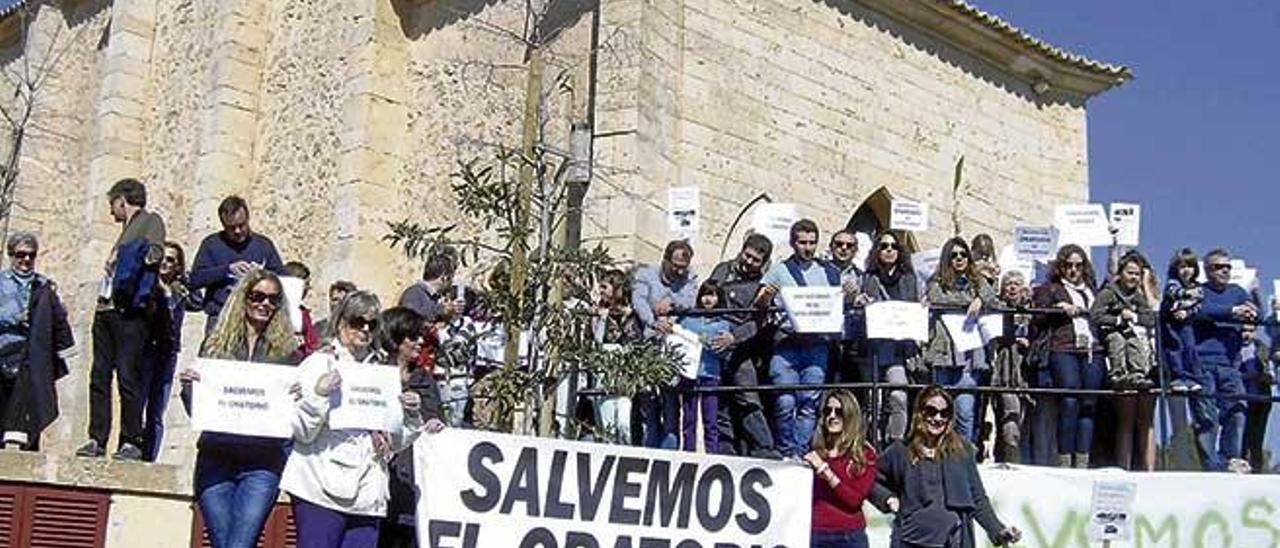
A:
(162, 480)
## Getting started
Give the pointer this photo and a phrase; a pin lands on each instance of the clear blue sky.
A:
(1195, 137)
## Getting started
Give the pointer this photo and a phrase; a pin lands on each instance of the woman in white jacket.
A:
(337, 479)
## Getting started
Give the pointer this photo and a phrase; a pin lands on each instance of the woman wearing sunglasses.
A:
(890, 277)
(338, 479)
(960, 288)
(1075, 355)
(932, 485)
(237, 478)
(844, 470)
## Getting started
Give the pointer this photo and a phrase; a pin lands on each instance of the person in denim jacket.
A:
(707, 327)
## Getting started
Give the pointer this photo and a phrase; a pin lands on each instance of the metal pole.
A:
(1163, 399)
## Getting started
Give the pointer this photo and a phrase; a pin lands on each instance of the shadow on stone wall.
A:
(74, 14)
(419, 19)
(974, 66)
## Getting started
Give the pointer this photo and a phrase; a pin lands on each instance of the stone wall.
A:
(335, 117)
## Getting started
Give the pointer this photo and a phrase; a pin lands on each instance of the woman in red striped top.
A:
(844, 471)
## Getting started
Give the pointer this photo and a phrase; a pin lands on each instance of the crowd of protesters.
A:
(1077, 329)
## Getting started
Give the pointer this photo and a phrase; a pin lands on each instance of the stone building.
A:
(334, 117)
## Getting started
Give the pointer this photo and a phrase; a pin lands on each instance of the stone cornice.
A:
(1044, 66)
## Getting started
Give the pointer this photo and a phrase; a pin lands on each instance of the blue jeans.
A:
(157, 380)
(966, 402)
(1075, 413)
(1219, 424)
(235, 499)
(795, 413)
(660, 418)
(852, 538)
(1179, 342)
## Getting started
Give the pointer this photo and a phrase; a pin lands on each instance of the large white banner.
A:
(250, 399)
(481, 489)
(1170, 509)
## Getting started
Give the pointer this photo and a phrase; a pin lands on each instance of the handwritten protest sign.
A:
(369, 398)
(1085, 225)
(897, 320)
(815, 309)
(684, 211)
(1127, 220)
(498, 490)
(249, 399)
(909, 215)
(293, 288)
(774, 222)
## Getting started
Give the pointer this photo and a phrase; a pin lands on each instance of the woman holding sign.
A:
(844, 470)
(890, 277)
(237, 478)
(338, 478)
(932, 485)
(960, 289)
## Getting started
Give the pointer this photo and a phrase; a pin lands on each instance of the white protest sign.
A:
(498, 490)
(815, 309)
(292, 288)
(368, 399)
(1035, 242)
(1111, 510)
(864, 248)
(774, 222)
(1187, 509)
(1275, 291)
(244, 398)
(1243, 275)
(925, 263)
(1126, 219)
(1085, 225)
(909, 215)
(973, 334)
(689, 345)
(897, 320)
(684, 211)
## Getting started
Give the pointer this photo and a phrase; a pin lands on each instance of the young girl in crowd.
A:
(1182, 298)
(710, 297)
(1122, 317)
(844, 471)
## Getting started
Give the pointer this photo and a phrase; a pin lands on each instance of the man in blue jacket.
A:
(226, 256)
(1219, 422)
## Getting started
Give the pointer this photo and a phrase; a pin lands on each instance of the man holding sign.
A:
(800, 351)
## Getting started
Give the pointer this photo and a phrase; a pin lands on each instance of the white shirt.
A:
(337, 469)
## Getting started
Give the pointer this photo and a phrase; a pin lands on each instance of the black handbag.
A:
(13, 359)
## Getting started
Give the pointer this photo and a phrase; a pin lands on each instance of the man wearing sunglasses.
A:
(1219, 423)
(226, 256)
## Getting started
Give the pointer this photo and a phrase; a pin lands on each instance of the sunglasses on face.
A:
(931, 411)
(362, 324)
(959, 255)
(829, 411)
(845, 245)
(886, 246)
(23, 255)
(259, 297)
(171, 260)
(1220, 266)
(1074, 264)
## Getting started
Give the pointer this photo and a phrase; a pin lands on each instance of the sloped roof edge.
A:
(9, 6)
(1004, 27)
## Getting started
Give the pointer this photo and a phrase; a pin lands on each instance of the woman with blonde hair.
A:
(844, 469)
(932, 484)
(237, 478)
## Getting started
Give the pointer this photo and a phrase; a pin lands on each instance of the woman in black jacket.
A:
(890, 277)
(932, 485)
(400, 334)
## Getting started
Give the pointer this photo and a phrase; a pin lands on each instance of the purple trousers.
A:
(320, 527)
(708, 404)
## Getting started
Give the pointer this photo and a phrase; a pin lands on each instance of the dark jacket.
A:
(1061, 332)
(1219, 343)
(1111, 301)
(904, 287)
(963, 493)
(50, 334)
(740, 292)
(211, 269)
(404, 494)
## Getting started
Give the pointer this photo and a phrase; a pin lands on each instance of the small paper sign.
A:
(1085, 225)
(689, 346)
(368, 399)
(815, 309)
(684, 210)
(909, 215)
(1126, 219)
(292, 289)
(897, 320)
(243, 398)
(972, 334)
(1111, 510)
(1035, 242)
